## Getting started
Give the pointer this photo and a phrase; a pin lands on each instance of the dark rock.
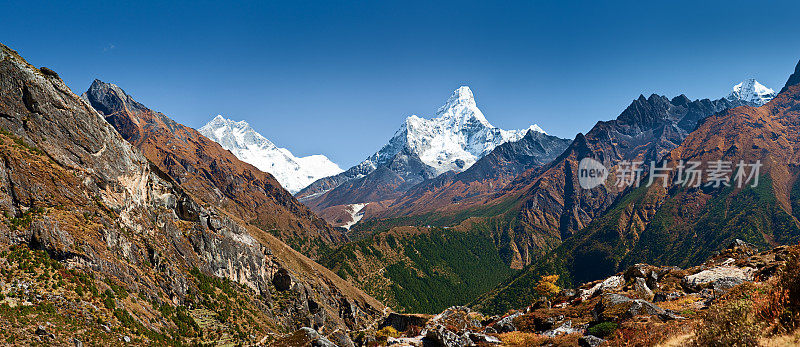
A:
(282, 280)
(546, 323)
(41, 330)
(401, 322)
(664, 296)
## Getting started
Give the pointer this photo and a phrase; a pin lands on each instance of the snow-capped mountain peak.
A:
(453, 140)
(461, 110)
(245, 143)
(751, 91)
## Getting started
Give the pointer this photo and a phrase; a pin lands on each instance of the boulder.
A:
(718, 278)
(616, 307)
(483, 339)
(401, 322)
(441, 336)
(457, 317)
(612, 282)
(506, 324)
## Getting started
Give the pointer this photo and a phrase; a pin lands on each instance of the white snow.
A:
(751, 91)
(356, 213)
(454, 139)
(245, 143)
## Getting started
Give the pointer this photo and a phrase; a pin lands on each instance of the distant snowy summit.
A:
(453, 140)
(292, 173)
(751, 91)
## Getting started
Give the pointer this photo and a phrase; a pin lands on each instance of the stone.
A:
(506, 324)
(590, 341)
(664, 296)
(401, 322)
(616, 307)
(610, 283)
(483, 339)
(721, 276)
(446, 338)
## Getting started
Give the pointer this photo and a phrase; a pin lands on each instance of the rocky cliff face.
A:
(211, 173)
(71, 186)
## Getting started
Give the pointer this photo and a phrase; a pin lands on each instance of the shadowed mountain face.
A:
(680, 225)
(108, 221)
(210, 172)
(553, 202)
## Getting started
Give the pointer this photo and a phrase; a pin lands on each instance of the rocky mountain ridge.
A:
(92, 231)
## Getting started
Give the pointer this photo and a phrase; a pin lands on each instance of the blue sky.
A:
(338, 78)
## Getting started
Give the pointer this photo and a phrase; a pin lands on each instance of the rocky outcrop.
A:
(211, 173)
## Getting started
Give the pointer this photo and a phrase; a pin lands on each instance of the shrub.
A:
(547, 286)
(386, 333)
(603, 330)
(729, 324)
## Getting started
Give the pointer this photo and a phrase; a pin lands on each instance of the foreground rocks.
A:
(640, 298)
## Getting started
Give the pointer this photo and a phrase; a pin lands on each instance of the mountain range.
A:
(120, 225)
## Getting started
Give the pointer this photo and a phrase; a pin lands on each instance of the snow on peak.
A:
(751, 91)
(249, 146)
(453, 140)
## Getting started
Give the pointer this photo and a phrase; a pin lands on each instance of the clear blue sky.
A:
(338, 78)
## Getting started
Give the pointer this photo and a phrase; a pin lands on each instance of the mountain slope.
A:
(488, 175)
(421, 149)
(123, 250)
(251, 147)
(210, 172)
(680, 225)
